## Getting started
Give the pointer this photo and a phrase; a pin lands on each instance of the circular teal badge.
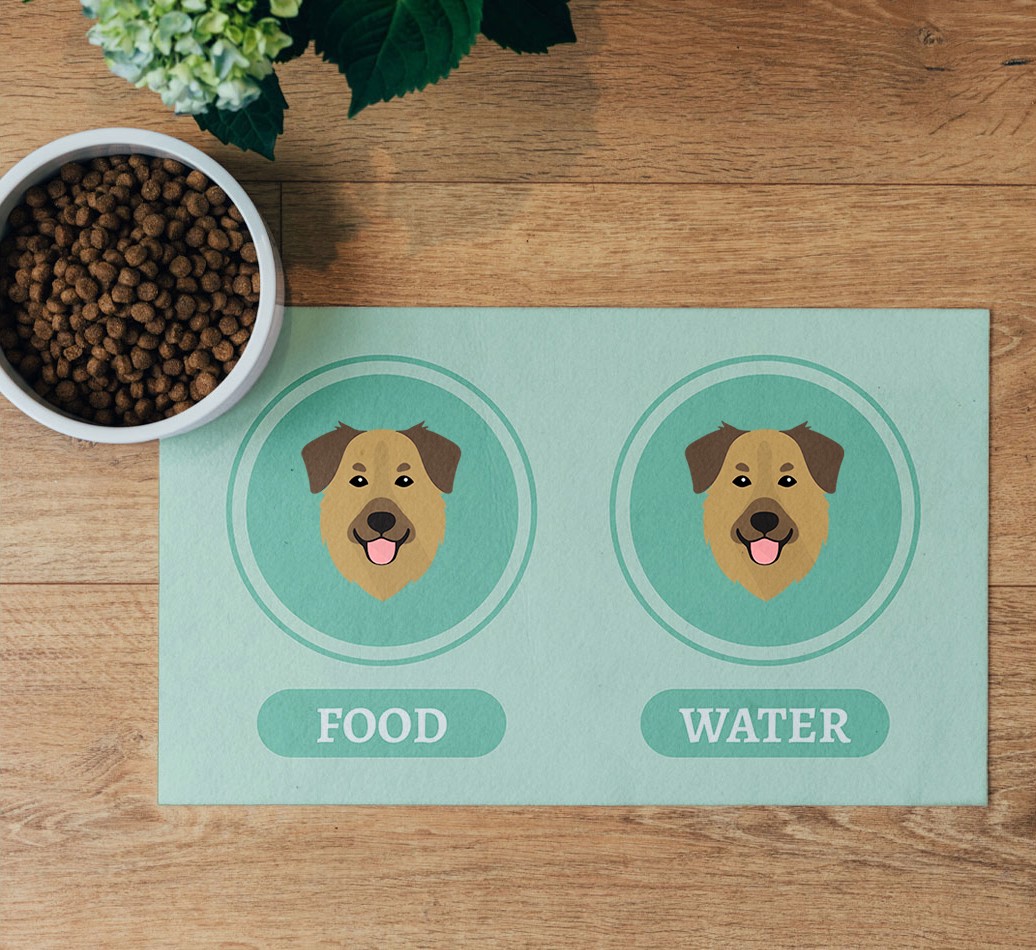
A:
(765, 510)
(381, 510)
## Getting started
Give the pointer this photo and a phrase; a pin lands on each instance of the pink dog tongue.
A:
(765, 551)
(381, 551)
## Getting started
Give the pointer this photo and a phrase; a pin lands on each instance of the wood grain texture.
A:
(87, 843)
(823, 90)
(825, 153)
(601, 245)
(65, 503)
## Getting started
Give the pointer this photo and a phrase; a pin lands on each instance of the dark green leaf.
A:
(527, 26)
(300, 29)
(253, 128)
(388, 48)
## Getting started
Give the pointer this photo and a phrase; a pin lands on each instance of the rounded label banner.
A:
(765, 723)
(381, 723)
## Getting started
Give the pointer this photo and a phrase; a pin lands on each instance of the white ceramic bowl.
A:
(43, 164)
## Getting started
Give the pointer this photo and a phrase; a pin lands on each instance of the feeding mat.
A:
(584, 557)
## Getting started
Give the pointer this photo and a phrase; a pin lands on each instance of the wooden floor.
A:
(696, 153)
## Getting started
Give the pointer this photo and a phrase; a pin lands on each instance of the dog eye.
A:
(404, 481)
(742, 481)
(358, 481)
(786, 482)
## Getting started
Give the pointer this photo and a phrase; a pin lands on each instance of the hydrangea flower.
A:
(194, 53)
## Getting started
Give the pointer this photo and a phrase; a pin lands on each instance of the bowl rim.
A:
(103, 142)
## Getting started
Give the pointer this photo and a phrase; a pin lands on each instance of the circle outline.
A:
(763, 661)
(526, 467)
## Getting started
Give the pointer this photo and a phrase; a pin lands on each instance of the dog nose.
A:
(764, 521)
(382, 521)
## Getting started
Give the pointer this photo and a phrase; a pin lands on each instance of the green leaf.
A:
(527, 26)
(300, 29)
(253, 128)
(387, 48)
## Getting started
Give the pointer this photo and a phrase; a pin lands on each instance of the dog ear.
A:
(324, 454)
(439, 455)
(823, 455)
(705, 455)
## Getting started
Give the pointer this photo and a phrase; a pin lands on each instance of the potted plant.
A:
(217, 59)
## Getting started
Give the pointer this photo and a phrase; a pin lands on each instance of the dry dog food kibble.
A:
(128, 289)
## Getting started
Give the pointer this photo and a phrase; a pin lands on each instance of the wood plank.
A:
(700, 246)
(74, 510)
(816, 91)
(84, 838)
(582, 245)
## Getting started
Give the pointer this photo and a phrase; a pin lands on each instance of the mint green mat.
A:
(520, 562)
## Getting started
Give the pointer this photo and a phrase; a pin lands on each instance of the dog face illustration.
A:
(765, 514)
(382, 515)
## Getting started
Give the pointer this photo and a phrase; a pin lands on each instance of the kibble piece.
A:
(153, 225)
(147, 291)
(172, 190)
(31, 364)
(72, 172)
(87, 289)
(36, 197)
(104, 203)
(122, 294)
(202, 385)
(228, 326)
(135, 255)
(209, 337)
(197, 361)
(223, 351)
(196, 204)
(141, 358)
(129, 277)
(142, 312)
(122, 365)
(185, 306)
